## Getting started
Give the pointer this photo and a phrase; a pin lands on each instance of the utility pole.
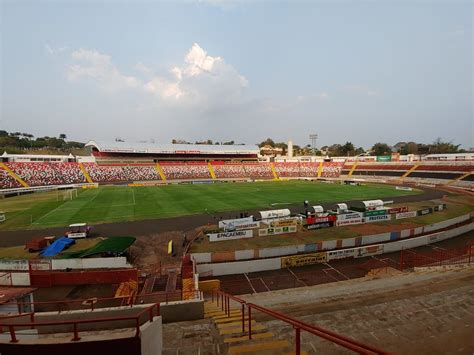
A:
(313, 138)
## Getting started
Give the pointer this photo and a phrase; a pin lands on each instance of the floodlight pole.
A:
(313, 138)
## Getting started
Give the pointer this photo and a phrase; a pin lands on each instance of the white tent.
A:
(271, 214)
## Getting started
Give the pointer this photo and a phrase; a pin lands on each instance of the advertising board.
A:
(349, 216)
(384, 158)
(424, 211)
(349, 222)
(319, 225)
(368, 251)
(340, 254)
(375, 213)
(402, 215)
(217, 237)
(372, 219)
(314, 219)
(394, 210)
(304, 259)
(234, 223)
(284, 222)
(277, 230)
(440, 207)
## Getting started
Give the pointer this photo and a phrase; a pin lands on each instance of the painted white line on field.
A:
(248, 280)
(340, 273)
(133, 196)
(296, 277)
(47, 214)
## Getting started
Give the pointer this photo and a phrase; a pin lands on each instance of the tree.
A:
(441, 147)
(267, 141)
(228, 143)
(62, 136)
(346, 150)
(381, 149)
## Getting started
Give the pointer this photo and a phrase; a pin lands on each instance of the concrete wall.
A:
(250, 254)
(90, 263)
(151, 337)
(182, 310)
(14, 265)
(238, 267)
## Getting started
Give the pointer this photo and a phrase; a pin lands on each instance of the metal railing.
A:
(152, 311)
(94, 303)
(223, 299)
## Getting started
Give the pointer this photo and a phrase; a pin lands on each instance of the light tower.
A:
(313, 138)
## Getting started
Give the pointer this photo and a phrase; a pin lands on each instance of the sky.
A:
(365, 72)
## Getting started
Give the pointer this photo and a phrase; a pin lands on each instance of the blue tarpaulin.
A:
(57, 246)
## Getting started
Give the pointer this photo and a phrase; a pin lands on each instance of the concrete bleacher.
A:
(416, 313)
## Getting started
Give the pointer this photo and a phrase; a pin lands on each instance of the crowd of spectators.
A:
(309, 169)
(288, 169)
(260, 170)
(6, 181)
(229, 171)
(121, 173)
(186, 171)
(331, 169)
(43, 174)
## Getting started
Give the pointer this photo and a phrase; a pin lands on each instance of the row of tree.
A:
(348, 149)
(208, 142)
(11, 141)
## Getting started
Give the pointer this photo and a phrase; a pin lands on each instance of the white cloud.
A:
(54, 50)
(201, 79)
(99, 68)
(142, 68)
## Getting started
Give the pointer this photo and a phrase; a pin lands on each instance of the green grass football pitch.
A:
(125, 203)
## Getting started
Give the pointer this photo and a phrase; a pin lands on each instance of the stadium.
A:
(139, 244)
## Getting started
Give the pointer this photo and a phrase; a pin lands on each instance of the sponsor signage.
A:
(314, 220)
(284, 222)
(349, 222)
(406, 215)
(372, 219)
(367, 251)
(440, 207)
(304, 259)
(384, 158)
(375, 213)
(216, 237)
(424, 211)
(235, 223)
(319, 225)
(397, 210)
(341, 254)
(349, 216)
(277, 230)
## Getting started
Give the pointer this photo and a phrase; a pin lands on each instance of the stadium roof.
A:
(127, 147)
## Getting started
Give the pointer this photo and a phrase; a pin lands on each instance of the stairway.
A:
(160, 171)
(211, 171)
(412, 169)
(86, 174)
(462, 177)
(230, 329)
(14, 175)
(274, 172)
(320, 169)
(354, 166)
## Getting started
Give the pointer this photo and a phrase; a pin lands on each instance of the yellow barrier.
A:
(170, 247)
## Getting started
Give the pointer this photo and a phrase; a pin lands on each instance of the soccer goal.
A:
(66, 195)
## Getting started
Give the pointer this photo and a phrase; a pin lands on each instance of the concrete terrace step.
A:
(259, 347)
(235, 325)
(238, 329)
(246, 337)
